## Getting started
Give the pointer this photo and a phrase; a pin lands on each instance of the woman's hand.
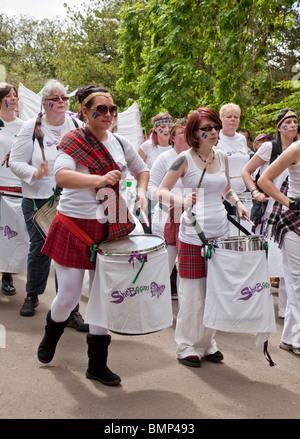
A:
(141, 201)
(259, 196)
(190, 201)
(243, 212)
(42, 171)
(111, 178)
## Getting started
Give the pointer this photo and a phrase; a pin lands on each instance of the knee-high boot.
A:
(53, 332)
(97, 353)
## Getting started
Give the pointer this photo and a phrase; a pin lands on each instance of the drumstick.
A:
(145, 218)
(40, 135)
(250, 222)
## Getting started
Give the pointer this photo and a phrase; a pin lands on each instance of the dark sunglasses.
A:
(56, 99)
(102, 109)
(210, 128)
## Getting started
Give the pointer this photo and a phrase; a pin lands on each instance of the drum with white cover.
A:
(238, 293)
(131, 291)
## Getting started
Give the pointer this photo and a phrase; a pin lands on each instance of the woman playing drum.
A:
(194, 341)
(10, 125)
(286, 123)
(286, 230)
(89, 166)
(34, 166)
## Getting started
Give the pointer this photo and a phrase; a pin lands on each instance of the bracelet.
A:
(254, 189)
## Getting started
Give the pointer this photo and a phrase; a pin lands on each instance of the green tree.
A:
(180, 54)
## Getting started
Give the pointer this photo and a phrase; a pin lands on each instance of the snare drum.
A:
(131, 291)
(43, 217)
(238, 290)
(239, 243)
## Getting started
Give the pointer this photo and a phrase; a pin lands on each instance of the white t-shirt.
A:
(8, 133)
(82, 203)
(236, 149)
(152, 152)
(209, 210)
(26, 156)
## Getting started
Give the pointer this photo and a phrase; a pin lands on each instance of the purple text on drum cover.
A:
(248, 291)
(156, 291)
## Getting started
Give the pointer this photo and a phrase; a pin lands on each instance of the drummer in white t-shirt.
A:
(234, 146)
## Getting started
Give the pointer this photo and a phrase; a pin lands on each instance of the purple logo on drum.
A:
(156, 291)
(248, 291)
(9, 232)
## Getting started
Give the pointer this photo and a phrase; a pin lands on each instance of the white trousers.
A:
(291, 267)
(70, 283)
(191, 336)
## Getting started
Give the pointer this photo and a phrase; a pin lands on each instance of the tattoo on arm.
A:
(178, 162)
(229, 194)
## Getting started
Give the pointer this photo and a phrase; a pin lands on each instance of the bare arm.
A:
(142, 184)
(176, 171)
(289, 157)
(254, 163)
(231, 197)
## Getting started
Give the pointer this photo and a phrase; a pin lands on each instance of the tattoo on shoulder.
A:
(229, 194)
(178, 162)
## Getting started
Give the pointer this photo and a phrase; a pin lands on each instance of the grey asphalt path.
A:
(154, 384)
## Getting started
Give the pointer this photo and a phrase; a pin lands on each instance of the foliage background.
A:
(170, 56)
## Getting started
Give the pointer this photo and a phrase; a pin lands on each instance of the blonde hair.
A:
(229, 107)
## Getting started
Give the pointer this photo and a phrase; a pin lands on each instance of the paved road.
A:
(154, 384)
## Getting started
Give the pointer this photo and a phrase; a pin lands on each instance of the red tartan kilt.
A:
(191, 265)
(171, 231)
(66, 249)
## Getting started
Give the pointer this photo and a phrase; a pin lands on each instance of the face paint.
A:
(160, 130)
(95, 115)
(50, 105)
(204, 135)
(6, 103)
(284, 127)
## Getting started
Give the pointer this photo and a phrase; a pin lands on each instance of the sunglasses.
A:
(210, 128)
(102, 109)
(56, 99)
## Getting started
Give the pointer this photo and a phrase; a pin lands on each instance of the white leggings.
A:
(291, 268)
(70, 282)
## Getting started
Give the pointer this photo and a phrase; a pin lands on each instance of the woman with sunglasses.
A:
(37, 178)
(12, 247)
(89, 167)
(285, 219)
(194, 341)
(287, 125)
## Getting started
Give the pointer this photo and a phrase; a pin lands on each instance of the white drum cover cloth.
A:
(14, 240)
(238, 294)
(122, 306)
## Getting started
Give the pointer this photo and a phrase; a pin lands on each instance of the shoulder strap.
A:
(119, 140)
(74, 122)
(1, 123)
(276, 151)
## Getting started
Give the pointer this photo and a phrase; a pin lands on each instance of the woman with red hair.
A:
(200, 163)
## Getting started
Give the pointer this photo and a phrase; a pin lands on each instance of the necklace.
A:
(207, 157)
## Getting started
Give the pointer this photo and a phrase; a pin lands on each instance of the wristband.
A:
(295, 204)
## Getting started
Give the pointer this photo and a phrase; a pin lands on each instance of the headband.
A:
(92, 95)
(286, 116)
(163, 121)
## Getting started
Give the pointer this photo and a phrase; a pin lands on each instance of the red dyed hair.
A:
(194, 122)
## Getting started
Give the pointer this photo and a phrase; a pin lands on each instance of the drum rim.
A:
(130, 252)
(237, 238)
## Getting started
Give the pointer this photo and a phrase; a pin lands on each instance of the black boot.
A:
(97, 353)
(7, 284)
(53, 332)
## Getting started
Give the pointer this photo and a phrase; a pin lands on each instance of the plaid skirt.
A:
(66, 249)
(171, 231)
(191, 265)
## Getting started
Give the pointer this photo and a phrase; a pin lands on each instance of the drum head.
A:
(129, 244)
